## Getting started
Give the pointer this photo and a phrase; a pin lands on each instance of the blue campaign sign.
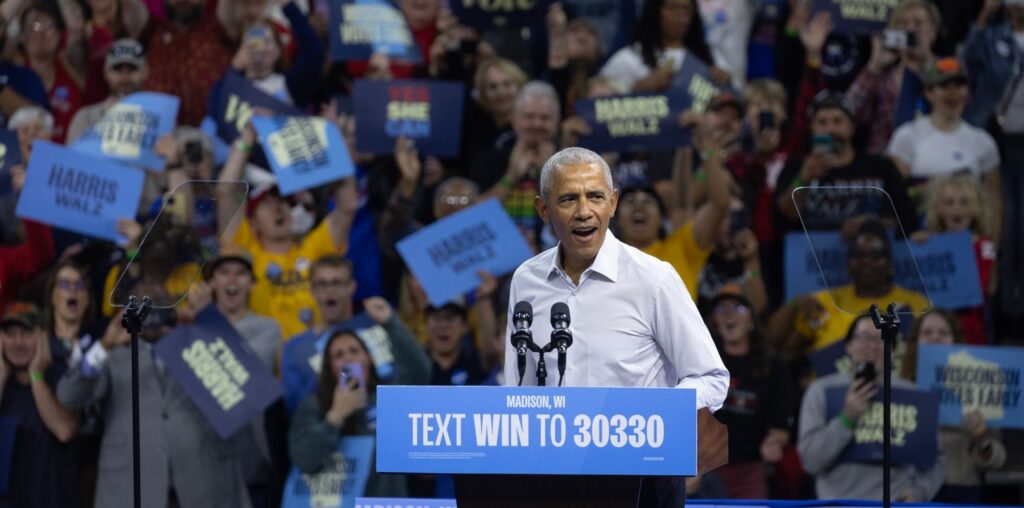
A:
(974, 378)
(303, 151)
(218, 371)
(337, 485)
(427, 112)
(10, 154)
(640, 121)
(446, 255)
(863, 16)
(79, 192)
(947, 264)
(234, 105)
(403, 502)
(545, 430)
(130, 129)
(829, 359)
(694, 81)
(503, 13)
(360, 28)
(915, 421)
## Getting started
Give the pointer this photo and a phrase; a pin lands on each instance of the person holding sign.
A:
(125, 72)
(957, 203)
(345, 401)
(971, 449)
(281, 264)
(632, 318)
(669, 31)
(822, 440)
(185, 462)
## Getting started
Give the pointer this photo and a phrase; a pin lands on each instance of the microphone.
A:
(522, 338)
(561, 337)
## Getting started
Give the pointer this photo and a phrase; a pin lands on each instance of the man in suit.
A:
(184, 462)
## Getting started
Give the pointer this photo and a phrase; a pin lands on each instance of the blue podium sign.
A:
(518, 430)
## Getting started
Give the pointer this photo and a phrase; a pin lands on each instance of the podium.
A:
(505, 448)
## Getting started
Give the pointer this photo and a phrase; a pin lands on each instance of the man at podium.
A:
(632, 319)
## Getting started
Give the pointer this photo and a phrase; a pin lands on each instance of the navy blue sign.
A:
(360, 28)
(79, 192)
(235, 104)
(505, 13)
(338, 483)
(10, 154)
(947, 265)
(694, 81)
(627, 122)
(857, 15)
(218, 371)
(915, 418)
(974, 378)
(545, 430)
(427, 112)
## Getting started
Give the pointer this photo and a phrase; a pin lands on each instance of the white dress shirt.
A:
(632, 320)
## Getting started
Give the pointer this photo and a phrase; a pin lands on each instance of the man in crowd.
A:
(32, 421)
(125, 72)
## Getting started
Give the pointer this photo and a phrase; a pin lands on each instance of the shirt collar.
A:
(606, 263)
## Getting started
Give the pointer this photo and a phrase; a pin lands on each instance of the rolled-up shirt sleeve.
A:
(686, 341)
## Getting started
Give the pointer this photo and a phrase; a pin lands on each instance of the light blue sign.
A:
(446, 255)
(541, 430)
(303, 151)
(403, 502)
(337, 485)
(79, 192)
(947, 264)
(974, 378)
(130, 129)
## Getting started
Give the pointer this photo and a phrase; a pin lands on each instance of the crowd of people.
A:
(313, 281)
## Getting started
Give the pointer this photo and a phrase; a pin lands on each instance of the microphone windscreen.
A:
(559, 308)
(523, 307)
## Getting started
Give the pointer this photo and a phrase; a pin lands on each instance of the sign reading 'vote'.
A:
(79, 192)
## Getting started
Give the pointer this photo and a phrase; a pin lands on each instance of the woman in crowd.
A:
(970, 449)
(61, 67)
(957, 203)
(68, 310)
(495, 86)
(761, 403)
(349, 409)
(669, 32)
(875, 94)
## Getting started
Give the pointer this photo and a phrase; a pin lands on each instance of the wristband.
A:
(708, 154)
(792, 32)
(242, 146)
(849, 424)
(700, 176)
(813, 63)
(35, 376)
(132, 254)
(755, 274)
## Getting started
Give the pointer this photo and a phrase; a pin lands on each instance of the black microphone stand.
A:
(134, 314)
(542, 368)
(888, 324)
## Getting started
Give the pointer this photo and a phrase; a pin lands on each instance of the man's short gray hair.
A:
(27, 114)
(539, 90)
(571, 157)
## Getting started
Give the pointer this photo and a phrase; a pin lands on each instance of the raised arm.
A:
(230, 175)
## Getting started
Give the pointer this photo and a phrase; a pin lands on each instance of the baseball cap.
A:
(229, 252)
(126, 51)
(260, 192)
(943, 70)
(22, 313)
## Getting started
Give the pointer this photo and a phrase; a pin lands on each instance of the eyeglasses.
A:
(70, 286)
(455, 200)
(331, 284)
(39, 26)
